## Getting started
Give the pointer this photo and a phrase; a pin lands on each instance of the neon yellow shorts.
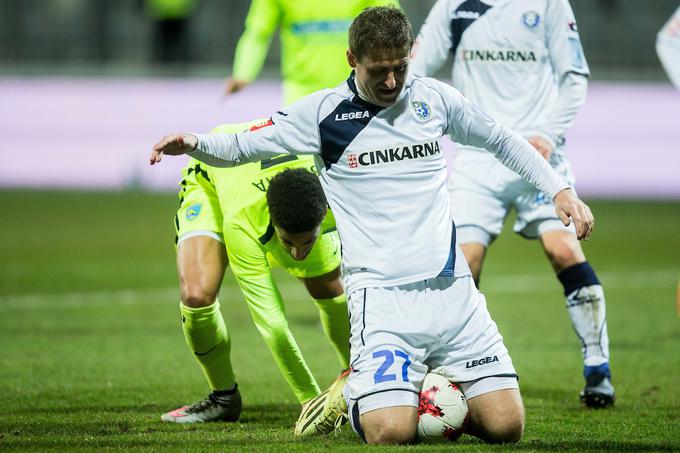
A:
(199, 205)
(200, 212)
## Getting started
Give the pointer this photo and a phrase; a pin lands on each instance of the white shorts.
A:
(483, 191)
(400, 333)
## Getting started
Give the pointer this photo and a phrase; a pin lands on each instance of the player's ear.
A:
(351, 59)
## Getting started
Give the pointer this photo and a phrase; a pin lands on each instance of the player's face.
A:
(380, 75)
(298, 244)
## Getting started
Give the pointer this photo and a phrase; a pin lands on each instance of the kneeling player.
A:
(267, 213)
(444, 327)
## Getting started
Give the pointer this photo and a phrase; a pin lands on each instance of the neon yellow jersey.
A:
(313, 42)
(232, 202)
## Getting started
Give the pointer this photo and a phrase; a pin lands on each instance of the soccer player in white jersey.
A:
(521, 61)
(668, 47)
(412, 301)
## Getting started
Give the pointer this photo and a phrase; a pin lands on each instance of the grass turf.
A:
(92, 351)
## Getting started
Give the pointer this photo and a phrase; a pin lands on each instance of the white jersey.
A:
(509, 57)
(384, 173)
(668, 47)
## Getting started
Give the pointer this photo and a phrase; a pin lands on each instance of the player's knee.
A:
(197, 296)
(564, 253)
(392, 425)
(389, 434)
(506, 429)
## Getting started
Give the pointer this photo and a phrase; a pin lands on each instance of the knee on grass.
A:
(504, 427)
(394, 425)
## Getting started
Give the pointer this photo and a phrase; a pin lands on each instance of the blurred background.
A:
(87, 86)
(91, 349)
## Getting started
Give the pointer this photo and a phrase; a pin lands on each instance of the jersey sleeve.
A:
(251, 50)
(294, 131)
(328, 222)
(433, 43)
(572, 90)
(468, 125)
(251, 270)
(262, 296)
(668, 48)
(562, 40)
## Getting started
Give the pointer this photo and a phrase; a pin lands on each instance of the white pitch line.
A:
(506, 283)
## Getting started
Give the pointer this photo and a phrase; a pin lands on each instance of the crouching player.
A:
(252, 217)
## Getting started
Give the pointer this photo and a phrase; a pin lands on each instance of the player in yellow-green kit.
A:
(259, 215)
(313, 43)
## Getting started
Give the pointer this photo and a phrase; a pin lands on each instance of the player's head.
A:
(380, 41)
(297, 205)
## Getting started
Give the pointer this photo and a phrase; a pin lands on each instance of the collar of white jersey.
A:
(354, 88)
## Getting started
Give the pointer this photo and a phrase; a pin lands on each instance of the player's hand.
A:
(542, 145)
(569, 207)
(173, 145)
(232, 86)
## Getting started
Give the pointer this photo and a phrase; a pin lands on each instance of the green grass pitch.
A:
(91, 350)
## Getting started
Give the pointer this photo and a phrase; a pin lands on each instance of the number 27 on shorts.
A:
(388, 358)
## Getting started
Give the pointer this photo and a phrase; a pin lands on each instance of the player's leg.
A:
(584, 295)
(320, 273)
(474, 252)
(332, 305)
(393, 330)
(390, 425)
(586, 306)
(201, 262)
(372, 384)
(478, 211)
(473, 355)
(497, 416)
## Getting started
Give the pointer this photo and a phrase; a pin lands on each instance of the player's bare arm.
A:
(569, 206)
(173, 145)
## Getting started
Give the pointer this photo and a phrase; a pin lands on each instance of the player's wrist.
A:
(192, 140)
(566, 191)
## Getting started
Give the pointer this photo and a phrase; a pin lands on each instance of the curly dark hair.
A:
(379, 27)
(296, 200)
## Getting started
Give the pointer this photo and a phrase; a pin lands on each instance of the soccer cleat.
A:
(326, 412)
(598, 392)
(214, 408)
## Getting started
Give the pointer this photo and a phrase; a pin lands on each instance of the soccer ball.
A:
(442, 409)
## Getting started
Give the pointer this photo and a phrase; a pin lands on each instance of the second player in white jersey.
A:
(668, 47)
(521, 61)
(527, 73)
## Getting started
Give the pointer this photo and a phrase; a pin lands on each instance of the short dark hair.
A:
(379, 27)
(296, 200)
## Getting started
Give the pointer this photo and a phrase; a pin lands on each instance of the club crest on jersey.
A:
(531, 19)
(193, 211)
(422, 109)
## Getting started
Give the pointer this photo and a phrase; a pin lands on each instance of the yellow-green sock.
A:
(207, 337)
(335, 323)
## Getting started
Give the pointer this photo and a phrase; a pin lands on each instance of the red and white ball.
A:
(442, 409)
